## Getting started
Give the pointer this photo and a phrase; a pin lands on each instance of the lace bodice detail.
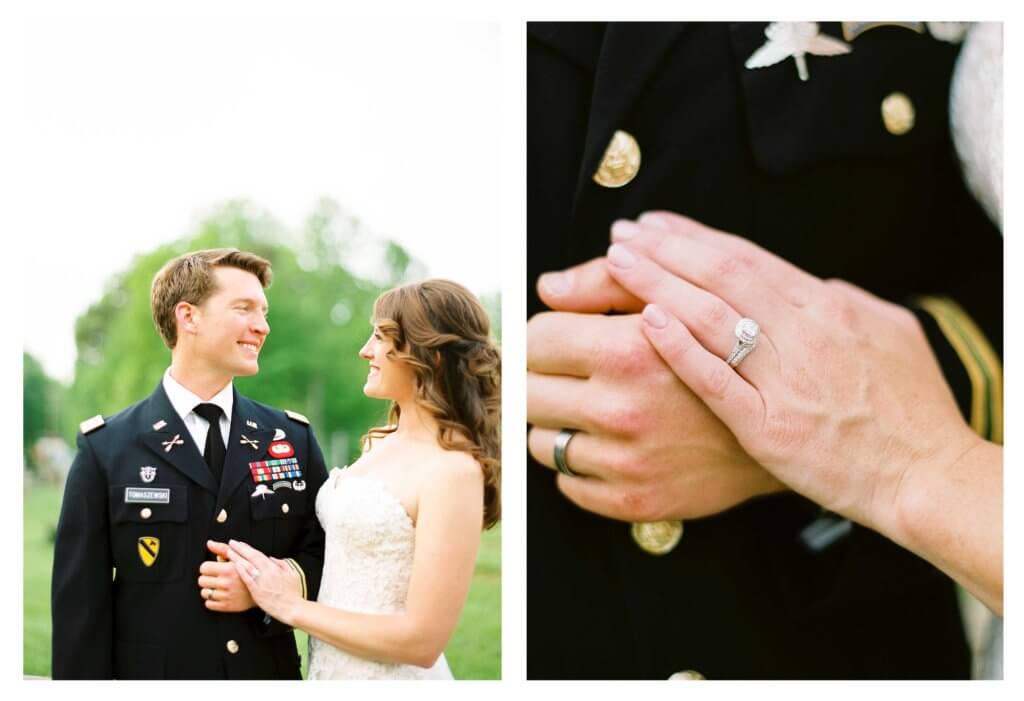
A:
(368, 560)
(976, 113)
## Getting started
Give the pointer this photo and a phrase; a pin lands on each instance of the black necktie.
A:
(214, 450)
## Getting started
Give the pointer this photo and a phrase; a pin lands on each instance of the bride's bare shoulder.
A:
(456, 466)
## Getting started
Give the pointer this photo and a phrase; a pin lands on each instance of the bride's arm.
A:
(449, 518)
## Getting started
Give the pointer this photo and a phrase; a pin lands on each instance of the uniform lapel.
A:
(241, 452)
(185, 456)
(630, 54)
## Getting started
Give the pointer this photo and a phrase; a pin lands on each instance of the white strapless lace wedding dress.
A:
(367, 565)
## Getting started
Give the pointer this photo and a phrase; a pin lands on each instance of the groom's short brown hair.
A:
(189, 278)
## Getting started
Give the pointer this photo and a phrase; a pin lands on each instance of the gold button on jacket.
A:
(657, 537)
(898, 113)
(621, 161)
(222, 516)
(146, 512)
(232, 647)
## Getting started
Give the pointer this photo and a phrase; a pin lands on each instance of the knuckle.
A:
(629, 354)
(640, 504)
(622, 417)
(718, 380)
(713, 314)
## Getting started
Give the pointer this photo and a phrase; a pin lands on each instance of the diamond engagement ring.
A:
(561, 443)
(747, 332)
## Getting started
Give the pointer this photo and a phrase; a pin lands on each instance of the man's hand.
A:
(219, 584)
(647, 448)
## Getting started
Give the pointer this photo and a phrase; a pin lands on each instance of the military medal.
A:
(147, 473)
(275, 470)
(281, 449)
(255, 444)
(173, 442)
(278, 434)
(795, 40)
(299, 485)
(282, 484)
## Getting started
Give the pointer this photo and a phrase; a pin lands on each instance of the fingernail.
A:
(654, 220)
(624, 230)
(654, 316)
(556, 284)
(620, 257)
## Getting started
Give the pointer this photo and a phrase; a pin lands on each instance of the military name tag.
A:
(137, 495)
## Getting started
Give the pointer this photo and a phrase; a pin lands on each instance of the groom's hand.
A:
(646, 447)
(219, 585)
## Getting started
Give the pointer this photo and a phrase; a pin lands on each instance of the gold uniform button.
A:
(621, 161)
(898, 114)
(146, 513)
(657, 537)
(284, 508)
(688, 675)
(232, 647)
(222, 516)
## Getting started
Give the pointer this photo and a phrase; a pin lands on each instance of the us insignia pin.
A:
(147, 473)
(173, 442)
(159, 424)
(149, 548)
(250, 423)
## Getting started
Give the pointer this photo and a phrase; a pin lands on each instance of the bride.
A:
(403, 522)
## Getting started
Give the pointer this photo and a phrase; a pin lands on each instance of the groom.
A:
(139, 588)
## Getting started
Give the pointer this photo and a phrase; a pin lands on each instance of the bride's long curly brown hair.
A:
(440, 329)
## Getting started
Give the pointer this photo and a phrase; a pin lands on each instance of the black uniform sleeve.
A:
(82, 591)
(307, 553)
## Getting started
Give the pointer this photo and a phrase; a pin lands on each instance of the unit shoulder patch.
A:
(91, 424)
(295, 416)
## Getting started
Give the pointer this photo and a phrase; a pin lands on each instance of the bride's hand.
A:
(842, 399)
(273, 584)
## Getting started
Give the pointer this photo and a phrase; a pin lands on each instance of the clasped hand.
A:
(647, 447)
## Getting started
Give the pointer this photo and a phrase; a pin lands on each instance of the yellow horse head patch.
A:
(149, 548)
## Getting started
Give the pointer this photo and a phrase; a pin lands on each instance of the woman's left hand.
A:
(842, 398)
(273, 584)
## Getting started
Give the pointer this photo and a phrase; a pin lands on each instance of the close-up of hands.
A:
(841, 399)
(648, 448)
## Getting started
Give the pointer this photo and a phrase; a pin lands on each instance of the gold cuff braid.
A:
(980, 361)
(302, 576)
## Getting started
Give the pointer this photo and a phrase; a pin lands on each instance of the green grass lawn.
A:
(474, 651)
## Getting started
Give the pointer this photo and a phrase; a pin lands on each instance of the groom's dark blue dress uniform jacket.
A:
(126, 602)
(810, 171)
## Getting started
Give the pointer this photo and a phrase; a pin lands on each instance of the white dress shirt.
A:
(184, 401)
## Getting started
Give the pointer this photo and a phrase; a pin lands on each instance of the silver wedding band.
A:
(747, 333)
(561, 443)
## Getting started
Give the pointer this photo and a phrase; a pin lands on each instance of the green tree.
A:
(41, 404)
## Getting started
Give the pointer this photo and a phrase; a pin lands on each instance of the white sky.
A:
(132, 128)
